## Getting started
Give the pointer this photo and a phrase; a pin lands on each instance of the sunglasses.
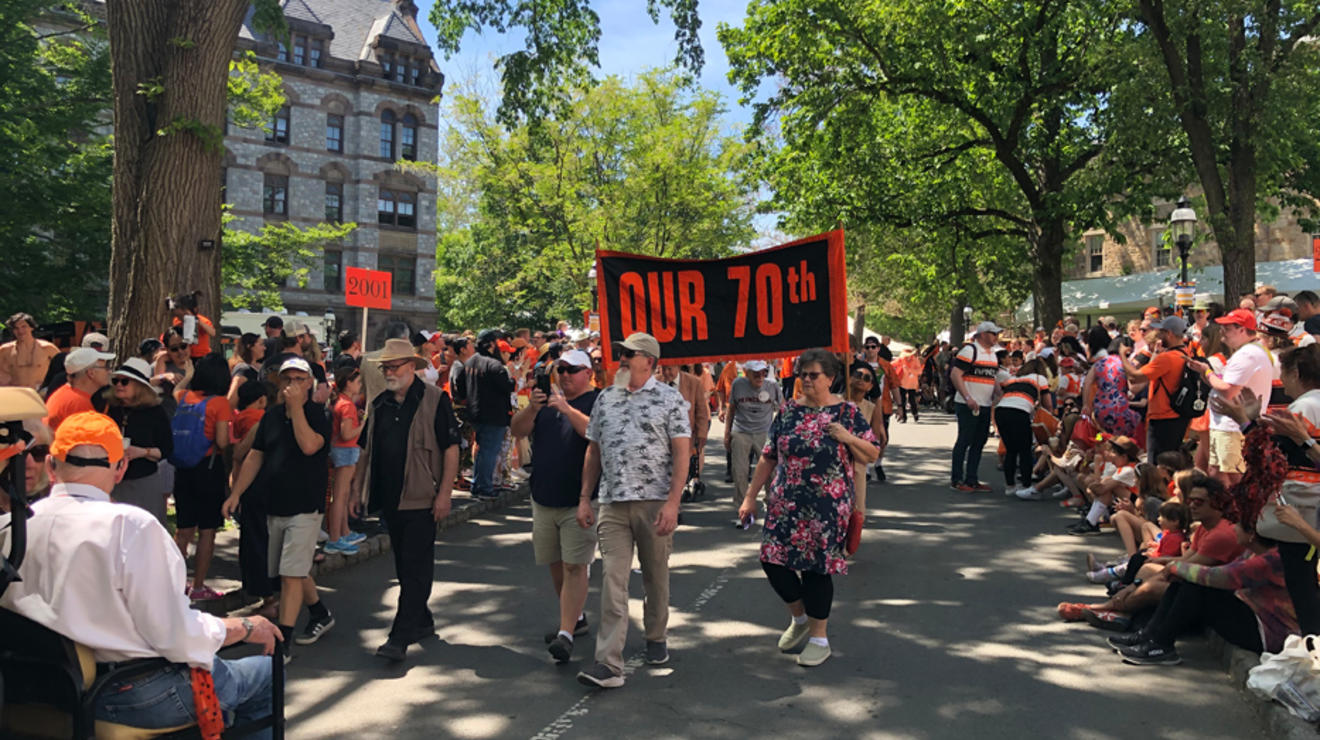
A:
(120, 381)
(810, 375)
(627, 354)
(569, 370)
(39, 452)
(860, 375)
(871, 346)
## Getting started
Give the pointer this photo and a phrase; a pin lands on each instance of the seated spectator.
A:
(107, 576)
(1118, 480)
(1245, 602)
(1213, 543)
(1165, 538)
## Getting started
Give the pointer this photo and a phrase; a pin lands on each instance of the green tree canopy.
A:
(643, 168)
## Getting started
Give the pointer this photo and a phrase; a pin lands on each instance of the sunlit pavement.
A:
(944, 628)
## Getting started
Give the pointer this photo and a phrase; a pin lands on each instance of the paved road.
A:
(944, 628)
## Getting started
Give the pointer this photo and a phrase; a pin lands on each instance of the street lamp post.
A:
(591, 280)
(1183, 223)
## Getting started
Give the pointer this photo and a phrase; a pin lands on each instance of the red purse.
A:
(854, 538)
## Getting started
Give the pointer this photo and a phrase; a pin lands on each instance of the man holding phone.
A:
(556, 422)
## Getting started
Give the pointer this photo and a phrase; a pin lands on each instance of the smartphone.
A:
(1283, 501)
(543, 383)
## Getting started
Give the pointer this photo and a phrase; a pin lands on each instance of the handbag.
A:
(1305, 499)
(853, 540)
(1290, 677)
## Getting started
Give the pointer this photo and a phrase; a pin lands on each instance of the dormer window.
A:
(307, 51)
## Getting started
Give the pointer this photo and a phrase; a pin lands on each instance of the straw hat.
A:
(399, 349)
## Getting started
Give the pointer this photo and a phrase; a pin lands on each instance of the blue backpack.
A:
(189, 428)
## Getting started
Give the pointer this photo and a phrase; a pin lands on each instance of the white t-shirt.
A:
(1249, 367)
(1307, 406)
(1023, 392)
(979, 367)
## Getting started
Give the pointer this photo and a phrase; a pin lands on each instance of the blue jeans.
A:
(490, 443)
(973, 431)
(164, 698)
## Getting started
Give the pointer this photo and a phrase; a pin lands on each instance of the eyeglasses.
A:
(39, 452)
(871, 346)
(627, 354)
(810, 374)
(120, 381)
(862, 375)
(394, 367)
(568, 369)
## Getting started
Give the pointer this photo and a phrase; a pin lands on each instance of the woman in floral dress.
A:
(818, 451)
(1105, 390)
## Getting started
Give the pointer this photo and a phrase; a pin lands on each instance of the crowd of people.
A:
(1197, 442)
(309, 448)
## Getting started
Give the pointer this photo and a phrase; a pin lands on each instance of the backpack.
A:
(1191, 397)
(189, 428)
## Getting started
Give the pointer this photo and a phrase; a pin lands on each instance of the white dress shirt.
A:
(108, 576)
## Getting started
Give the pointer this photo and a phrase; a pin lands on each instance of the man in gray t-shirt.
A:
(753, 403)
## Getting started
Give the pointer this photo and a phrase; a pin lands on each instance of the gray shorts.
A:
(292, 545)
(558, 538)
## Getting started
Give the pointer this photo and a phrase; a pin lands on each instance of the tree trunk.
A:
(169, 64)
(1047, 273)
(957, 324)
(859, 324)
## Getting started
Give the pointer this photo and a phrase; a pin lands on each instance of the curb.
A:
(462, 511)
(1279, 723)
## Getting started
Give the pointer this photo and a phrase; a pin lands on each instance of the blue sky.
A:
(629, 43)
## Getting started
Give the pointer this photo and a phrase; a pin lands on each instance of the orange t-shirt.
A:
(886, 399)
(346, 410)
(203, 346)
(65, 402)
(217, 412)
(727, 376)
(1165, 374)
(909, 368)
(242, 422)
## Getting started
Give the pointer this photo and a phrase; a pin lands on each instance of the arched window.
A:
(387, 134)
(408, 137)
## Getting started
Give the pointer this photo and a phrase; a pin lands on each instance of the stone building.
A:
(1144, 248)
(361, 84)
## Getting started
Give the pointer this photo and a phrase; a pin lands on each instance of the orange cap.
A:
(88, 428)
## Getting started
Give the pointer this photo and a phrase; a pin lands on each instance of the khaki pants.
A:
(742, 448)
(621, 527)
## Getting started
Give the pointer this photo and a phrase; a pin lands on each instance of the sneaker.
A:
(353, 538)
(600, 676)
(964, 488)
(579, 629)
(1072, 502)
(1083, 528)
(793, 638)
(205, 593)
(1071, 611)
(1149, 653)
(341, 547)
(393, 651)
(1100, 576)
(879, 474)
(813, 654)
(1127, 640)
(561, 648)
(1060, 492)
(981, 488)
(657, 652)
(1107, 620)
(1029, 494)
(486, 495)
(316, 627)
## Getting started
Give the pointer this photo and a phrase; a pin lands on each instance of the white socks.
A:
(800, 620)
(1097, 513)
(566, 635)
(822, 641)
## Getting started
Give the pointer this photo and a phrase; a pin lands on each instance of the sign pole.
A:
(363, 335)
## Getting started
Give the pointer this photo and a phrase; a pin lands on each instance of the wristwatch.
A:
(248, 626)
(1310, 442)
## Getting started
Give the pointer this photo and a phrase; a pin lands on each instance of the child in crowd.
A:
(1118, 478)
(1161, 540)
(344, 452)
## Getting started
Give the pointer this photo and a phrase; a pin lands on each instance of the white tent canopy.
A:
(1128, 294)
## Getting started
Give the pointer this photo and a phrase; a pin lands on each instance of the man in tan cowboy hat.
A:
(408, 464)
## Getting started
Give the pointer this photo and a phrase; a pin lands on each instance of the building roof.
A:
(1127, 293)
(356, 24)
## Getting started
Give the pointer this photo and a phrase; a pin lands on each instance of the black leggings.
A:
(1299, 575)
(1015, 430)
(1185, 605)
(909, 399)
(814, 590)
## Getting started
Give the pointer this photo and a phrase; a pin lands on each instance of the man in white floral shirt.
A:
(640, 439)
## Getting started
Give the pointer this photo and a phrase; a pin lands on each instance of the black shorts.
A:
(199, 493)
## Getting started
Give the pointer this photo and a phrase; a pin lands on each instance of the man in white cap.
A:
(97, 341)
(753, 402)
(973, 376)
(640, 443)
(557, 426)
(88, 371)
(289, 465)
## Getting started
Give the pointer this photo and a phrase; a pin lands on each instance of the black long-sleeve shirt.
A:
(144, 426)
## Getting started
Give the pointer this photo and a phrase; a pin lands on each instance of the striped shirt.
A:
(1023, 392)
(979, 367)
